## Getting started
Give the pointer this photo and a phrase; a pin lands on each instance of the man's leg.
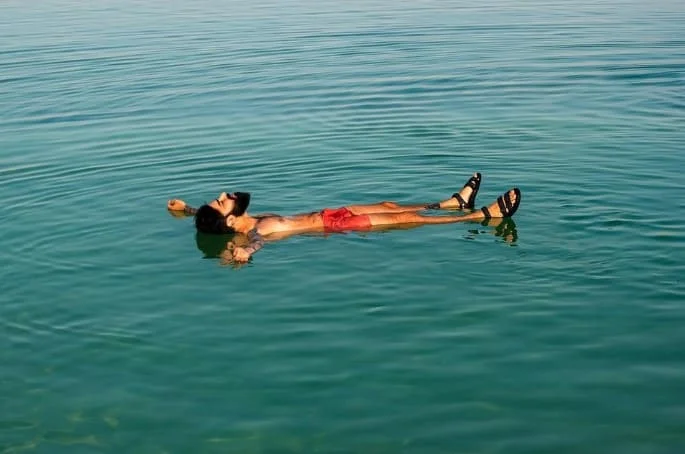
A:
(466, 193)
(505, 206)
(387, 208)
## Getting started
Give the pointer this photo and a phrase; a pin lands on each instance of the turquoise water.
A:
(122, 333)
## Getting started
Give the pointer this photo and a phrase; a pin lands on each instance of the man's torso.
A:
(283, 224)
(339, 219)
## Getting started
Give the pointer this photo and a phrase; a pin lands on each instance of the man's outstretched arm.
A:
(180, 206)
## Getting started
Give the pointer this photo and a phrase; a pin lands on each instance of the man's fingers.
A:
(176, 204)
(240, 255)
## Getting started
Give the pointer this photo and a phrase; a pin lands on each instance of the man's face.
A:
(224, 204)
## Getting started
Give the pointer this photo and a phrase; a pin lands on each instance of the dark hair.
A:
(209, 220)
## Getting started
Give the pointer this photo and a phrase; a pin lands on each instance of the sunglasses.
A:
(228, 196)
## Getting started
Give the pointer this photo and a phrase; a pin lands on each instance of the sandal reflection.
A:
(504, 228)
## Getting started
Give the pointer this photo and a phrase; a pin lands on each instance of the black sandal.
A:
(474, 184)
(505, 206)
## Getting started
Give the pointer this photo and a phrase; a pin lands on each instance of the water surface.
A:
(120, 335)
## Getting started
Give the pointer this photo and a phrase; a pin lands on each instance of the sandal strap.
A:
(501, 205)
(486, 212)
(460, 199)
(433, 206)
(472, 183)
(505, 206)
(507, 202)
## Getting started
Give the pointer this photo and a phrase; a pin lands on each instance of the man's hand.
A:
(176, 205)
(240, 254)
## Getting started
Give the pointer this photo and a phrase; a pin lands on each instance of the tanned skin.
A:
(259, 229)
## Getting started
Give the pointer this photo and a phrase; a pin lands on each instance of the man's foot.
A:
(504, 207)
(466, 197)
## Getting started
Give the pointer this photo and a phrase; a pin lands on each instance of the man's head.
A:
(220, 214)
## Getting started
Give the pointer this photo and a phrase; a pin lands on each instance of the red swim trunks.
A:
(343, 219)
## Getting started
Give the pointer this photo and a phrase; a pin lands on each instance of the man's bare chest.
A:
(281, 224)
